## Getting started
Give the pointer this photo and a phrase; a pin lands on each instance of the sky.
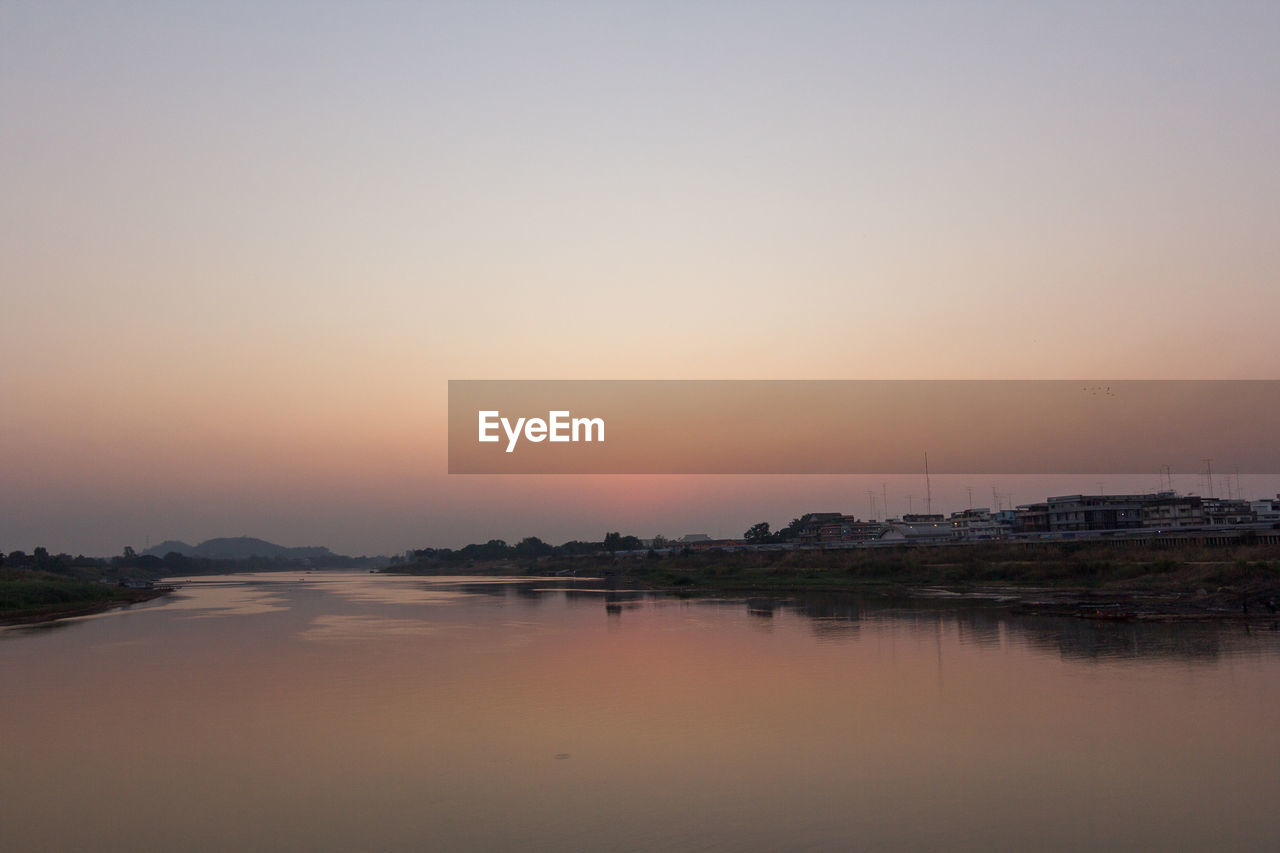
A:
(244, 246)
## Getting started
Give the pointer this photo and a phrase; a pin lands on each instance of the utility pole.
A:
(928, 489)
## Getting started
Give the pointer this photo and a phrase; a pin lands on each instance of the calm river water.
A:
(350, 711)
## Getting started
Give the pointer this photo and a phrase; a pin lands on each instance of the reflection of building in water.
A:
(828, 606)
(835, 629)
(985, 624)
(618, 600)
(1090, 639)
(832, 616)
(979, 626)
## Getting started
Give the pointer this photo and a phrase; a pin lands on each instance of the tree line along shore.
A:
(40, 586)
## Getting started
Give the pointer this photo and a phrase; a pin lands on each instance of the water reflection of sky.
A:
(355, 711)
(408, 591)
(228, 595)
(348, 627)
(829, 617)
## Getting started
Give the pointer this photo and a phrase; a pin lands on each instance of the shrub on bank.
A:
(24, 590)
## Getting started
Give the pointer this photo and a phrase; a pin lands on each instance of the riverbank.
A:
(1093, 580)
(1099, 582)
(28, 597)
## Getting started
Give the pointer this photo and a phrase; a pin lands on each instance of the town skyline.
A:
(1230, 505)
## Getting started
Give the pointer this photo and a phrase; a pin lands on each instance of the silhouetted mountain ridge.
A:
(237, 548)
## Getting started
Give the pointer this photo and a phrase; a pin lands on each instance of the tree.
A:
(577, 546)
(494, 549)
(176, 561)
(532, 546)
(791, 531)
(615, 541)
(758, 533)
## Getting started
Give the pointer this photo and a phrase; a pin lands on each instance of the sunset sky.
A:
(244, 246)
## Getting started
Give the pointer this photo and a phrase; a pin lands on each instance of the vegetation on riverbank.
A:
(1215, 577)
(131, 566)
(29, 596)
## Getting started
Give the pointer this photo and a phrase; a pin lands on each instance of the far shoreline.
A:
(1093, 580)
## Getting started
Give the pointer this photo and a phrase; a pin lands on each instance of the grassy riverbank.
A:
(1207, 578)
(32, 596)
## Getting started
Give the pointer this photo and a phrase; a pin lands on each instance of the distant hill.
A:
(169, 546)
(237, 548)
